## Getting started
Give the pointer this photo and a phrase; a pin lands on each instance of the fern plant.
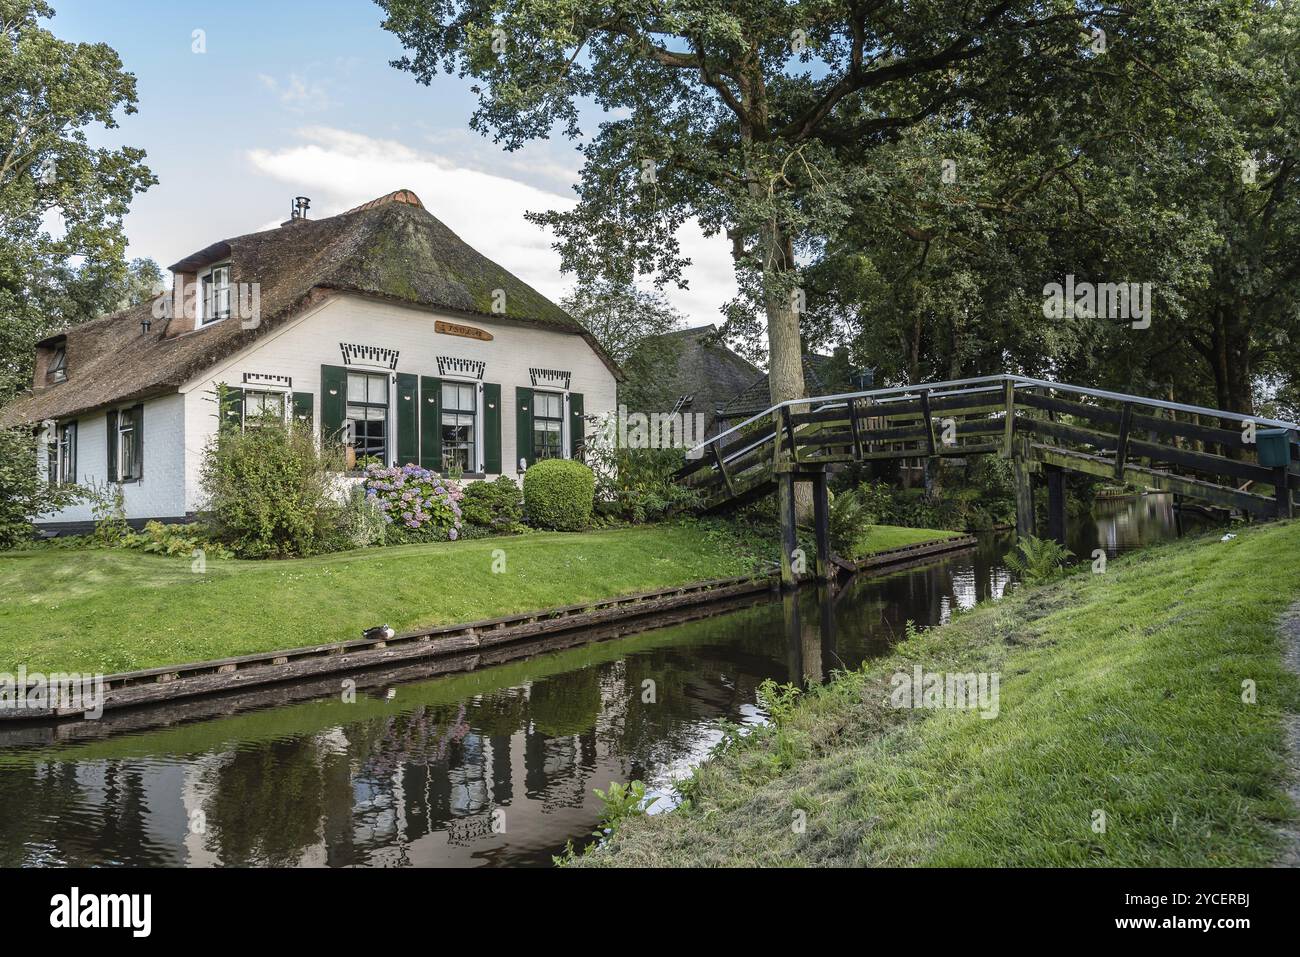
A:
(1036, 560)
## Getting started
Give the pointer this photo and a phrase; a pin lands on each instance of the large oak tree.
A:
(758, 118)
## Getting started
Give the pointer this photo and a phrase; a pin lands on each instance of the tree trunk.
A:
(785, 346)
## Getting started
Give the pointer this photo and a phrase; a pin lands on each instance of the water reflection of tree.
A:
(265, 804)
(78, 815)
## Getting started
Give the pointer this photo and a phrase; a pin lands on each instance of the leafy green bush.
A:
(269, 491)
(558, 494)
(1036, 560)
(362, 522)
(176, 540)
(24, 491)
(108, 510)
(639, 485)
(495, 506)
(849, 520)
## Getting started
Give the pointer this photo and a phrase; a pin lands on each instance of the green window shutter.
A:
(112, 446)
(232, 408)
(523, 425)
(333, 402)
(72, 451)
(408, 418)
(492, 428)
(137, 415)
(431, 423)
(577, 425)
(303, 408)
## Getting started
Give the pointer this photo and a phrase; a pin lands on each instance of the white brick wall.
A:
(301, 347)
(160, 493)
(178, 428)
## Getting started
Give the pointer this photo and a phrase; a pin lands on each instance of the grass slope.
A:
(1120, 692)
(113, 610)
(879, 538)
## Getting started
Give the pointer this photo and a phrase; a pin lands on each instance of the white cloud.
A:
(340, 169)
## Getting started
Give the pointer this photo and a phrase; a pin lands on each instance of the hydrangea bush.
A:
(419, 502)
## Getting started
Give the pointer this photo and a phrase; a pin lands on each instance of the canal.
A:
(492, 767)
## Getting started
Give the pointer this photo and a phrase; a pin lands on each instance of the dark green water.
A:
(493, 767)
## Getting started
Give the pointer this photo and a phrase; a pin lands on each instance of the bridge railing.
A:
(1206, 453)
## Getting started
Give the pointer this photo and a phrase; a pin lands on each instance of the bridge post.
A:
(822, 523)
(1056, 503)
(1024, 483)
(789, 532)
(1282, 491)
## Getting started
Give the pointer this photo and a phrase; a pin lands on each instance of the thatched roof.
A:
(691, 370)
(391, 248)
(820, 376)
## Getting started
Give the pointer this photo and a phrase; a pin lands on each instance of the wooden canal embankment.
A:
(314, 670)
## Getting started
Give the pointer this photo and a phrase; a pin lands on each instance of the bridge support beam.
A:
(1056, 503)
(1282, 492)
(789, 536)
(822, 524)
(1024, 483)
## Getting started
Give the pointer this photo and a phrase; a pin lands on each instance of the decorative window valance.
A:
(354, 354)
(256, 378)
(555, 378)
(454, 365)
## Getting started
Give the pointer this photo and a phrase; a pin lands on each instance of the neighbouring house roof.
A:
(706, 372)
(820, 376)
(391, 248)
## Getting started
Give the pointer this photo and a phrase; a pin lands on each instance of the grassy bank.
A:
(113, 610)
(105, 610)
(879, 538)
(1120, 693)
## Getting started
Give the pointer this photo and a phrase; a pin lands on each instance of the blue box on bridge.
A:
(1274, 446)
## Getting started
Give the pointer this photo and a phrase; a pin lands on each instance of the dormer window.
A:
(216, 294)
(57, 371)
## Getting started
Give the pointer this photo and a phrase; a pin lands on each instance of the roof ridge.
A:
(402, 195)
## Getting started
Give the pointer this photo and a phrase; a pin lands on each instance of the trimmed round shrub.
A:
(558, 494)
(493, 506)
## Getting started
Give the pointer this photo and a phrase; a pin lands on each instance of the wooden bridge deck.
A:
(1048, 428)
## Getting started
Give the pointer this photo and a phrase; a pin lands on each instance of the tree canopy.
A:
(51, 276)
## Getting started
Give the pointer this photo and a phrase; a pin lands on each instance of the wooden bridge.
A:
(1227, 459)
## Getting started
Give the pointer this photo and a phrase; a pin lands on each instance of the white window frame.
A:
(201, 309)
(564, 421)
(285, 394)
(119, 478)
(390, 417)
(57, 373)
(480, 465)
(55, 459)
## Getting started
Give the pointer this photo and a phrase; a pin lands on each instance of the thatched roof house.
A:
(355, 322)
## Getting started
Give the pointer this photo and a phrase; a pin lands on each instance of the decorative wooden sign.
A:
(456, 329)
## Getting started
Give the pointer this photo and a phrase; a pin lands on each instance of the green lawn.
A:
(1121, 694)
(879, 538)
(115, 610)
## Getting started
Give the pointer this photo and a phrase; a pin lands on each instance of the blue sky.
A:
(294, 97)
